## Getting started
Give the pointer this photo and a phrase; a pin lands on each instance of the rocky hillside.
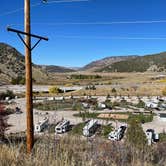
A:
(155, 63)
(99, 64)
(12, 66)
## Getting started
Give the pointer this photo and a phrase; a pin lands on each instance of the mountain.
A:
(99, 64)
(154, 62)
(12, 66)
(56, 69)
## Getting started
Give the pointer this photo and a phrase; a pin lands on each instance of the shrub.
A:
(140, 104)
(113, 90)
(18, 80)
(81, 76)
(164, 91)
(54, 90)
(3, 121)
(8, 93)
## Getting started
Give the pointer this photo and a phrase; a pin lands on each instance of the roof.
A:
(90, 124)
(62, 123)
(162, 115)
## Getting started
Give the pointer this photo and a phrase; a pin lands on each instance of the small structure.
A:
(117, 134)
(62, 127)
(7, 98)
(101, 105)
(41, 125)
(86, 105)
(90, 128)
(162, 117)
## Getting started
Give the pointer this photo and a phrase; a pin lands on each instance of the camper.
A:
(153, 105)
(41, 125)
(62, 127)
(151, 136)
(90, 128)
(117, 134)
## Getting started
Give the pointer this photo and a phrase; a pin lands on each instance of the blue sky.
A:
(81, 32)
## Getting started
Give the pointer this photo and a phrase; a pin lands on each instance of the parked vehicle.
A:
(117, 134)
(18, 110)
(153, 105)
(151, 136)
(90, 128)
(62, 127)
(41, 125)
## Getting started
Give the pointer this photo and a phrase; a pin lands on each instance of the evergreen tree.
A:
(135, 134)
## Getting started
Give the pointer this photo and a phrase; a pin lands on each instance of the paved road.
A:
(158, 125)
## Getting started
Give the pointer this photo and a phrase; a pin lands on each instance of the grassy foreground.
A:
(75, 151)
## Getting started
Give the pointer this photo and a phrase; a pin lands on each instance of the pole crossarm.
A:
(28, 34)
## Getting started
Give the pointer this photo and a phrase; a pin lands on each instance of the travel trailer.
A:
(117, 134)
(62, 127)
(153, 105)
(151, 136)
(41, 125)
(90, 128)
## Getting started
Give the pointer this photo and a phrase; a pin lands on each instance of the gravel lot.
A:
(18, 121)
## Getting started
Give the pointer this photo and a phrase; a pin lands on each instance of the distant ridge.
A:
(153, 63)
(99, 64)
(57, 69)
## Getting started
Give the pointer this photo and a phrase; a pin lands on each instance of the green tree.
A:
(113, 90)
(135, 135)
(141, 104)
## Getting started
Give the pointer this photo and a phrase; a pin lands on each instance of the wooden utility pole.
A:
(28, 68)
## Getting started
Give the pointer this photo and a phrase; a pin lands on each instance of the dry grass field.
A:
(75, 151)
(129, 84)
(138, 84)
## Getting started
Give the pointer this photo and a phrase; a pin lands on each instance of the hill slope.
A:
(97, 65)
(57, 69)
(155, 63)
(12, 65)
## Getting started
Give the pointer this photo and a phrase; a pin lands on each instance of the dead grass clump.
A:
(78, 151)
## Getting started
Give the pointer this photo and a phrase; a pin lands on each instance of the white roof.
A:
(90, 124)
(62, 123)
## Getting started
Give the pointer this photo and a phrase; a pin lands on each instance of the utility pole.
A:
(28, 68)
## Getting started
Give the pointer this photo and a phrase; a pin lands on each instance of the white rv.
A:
(41, 125)
(117, 134)
(62, 127)
(90, 128)
(152, 105)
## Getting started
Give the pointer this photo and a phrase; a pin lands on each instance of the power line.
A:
(64, 1)
(38, 4)
(109, 37)
(101, 23)
(18, 10)
(96, 23)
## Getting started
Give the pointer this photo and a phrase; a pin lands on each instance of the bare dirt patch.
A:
(113, 116)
